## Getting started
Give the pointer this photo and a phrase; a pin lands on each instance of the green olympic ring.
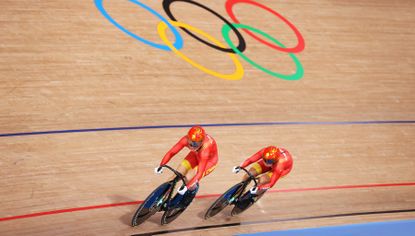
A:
(299, 71)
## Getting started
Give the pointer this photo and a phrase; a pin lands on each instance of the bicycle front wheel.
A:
(151, 205)
(224, 200)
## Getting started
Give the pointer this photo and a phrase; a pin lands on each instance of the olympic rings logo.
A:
(194, 32)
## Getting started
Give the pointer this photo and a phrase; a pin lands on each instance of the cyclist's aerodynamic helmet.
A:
(271, 155)
(195, 137)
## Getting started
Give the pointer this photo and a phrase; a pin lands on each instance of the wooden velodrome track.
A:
(64, 66)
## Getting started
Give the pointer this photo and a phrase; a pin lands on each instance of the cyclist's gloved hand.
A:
(158, 170)
(182, 190)
(236, 169)
(253, 190)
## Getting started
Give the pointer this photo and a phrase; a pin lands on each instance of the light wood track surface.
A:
(63, 66)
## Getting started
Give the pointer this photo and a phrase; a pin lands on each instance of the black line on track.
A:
(272, 221)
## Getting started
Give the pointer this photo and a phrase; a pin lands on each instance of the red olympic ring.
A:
(300, 46)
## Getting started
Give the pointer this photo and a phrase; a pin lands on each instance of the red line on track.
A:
(69, 210)
(203, 196)
(343, 187)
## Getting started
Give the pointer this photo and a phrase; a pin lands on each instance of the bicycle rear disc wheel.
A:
(151, 205)
(223, 201)
(171, 214)
(245, 203)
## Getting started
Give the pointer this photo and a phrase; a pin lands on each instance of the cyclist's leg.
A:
(187, 198)
(247, 198)
(191, 193)
(265, 178)
(188, 163)
(210, 166)
(186, 168)
(191, 173)
(254, 170)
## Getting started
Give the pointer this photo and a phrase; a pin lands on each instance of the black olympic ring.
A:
(242, 45)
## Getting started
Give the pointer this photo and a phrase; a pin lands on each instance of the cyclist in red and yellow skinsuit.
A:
(200, 161)
(271, 163)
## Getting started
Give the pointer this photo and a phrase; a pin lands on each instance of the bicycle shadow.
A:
(224, 215)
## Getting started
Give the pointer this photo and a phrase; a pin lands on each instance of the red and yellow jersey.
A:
(206, 154)
(279, 169)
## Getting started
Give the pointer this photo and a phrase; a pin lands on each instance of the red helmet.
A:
(195, 136)
(271, 155)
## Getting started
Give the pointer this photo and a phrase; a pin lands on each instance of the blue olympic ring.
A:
(179, 40)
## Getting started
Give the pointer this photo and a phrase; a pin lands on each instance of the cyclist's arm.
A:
(253, 158)
(174, 150)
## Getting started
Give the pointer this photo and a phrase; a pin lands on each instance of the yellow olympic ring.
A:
(239, 71)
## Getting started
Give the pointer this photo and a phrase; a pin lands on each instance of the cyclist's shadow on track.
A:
(224, 216)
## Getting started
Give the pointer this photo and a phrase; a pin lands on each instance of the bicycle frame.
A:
(173, 184)
(245, 183)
